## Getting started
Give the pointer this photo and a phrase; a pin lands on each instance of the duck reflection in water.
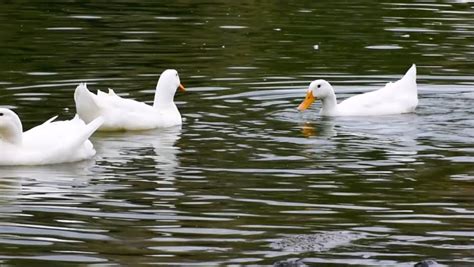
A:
(322, 128)
(61, 181)
(148, 149)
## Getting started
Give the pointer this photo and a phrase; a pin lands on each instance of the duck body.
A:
(394, 98)
(122, 114)
(49, 143)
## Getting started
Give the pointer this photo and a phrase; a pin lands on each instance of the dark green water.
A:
(246, 168)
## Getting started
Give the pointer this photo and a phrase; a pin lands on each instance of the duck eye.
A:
(319, 86)
(1, 114)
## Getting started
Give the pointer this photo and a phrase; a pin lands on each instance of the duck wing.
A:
(394, 98)
(60, 141)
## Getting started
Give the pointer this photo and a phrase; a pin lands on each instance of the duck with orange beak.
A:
(394, 98)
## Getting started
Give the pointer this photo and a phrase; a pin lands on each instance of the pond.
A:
(246, 171)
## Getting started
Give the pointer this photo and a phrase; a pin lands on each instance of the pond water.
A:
(246, 168)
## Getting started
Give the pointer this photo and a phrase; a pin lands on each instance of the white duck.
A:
(126, 114)
(394, 98)
(49, 143)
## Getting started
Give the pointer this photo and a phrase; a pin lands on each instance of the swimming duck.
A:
(394, 98)
(49, 143)
(122, 114)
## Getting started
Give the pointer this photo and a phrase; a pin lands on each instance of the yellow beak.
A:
(181, 88)
(307, 101)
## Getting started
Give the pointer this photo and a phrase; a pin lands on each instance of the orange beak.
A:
(181, 88)
(307, 101)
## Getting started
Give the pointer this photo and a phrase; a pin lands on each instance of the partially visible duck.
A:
(49, 143)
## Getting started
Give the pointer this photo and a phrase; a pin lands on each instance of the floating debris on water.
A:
(316, 242)
(289, 263)
(427, 263)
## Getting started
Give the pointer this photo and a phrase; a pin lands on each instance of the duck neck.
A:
(329, 106)
(164, 98)
(12, 134)
(164, 101)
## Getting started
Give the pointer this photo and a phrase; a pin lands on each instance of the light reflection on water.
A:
(246, 168)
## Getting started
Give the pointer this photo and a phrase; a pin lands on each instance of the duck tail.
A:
(410, 75)
(408, 81)
(411, 72)
(93, 126)
(76, 141)
(82, 130)
(86, 131)
(86, 105)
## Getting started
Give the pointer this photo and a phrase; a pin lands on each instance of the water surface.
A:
(245, 169)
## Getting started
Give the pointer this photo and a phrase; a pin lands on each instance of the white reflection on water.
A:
(155, 149)
(74, 173)
(21, 187)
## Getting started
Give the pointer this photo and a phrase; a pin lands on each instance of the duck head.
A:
(11, 129)
(166, 87)
(318, 89)
(170, 79)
